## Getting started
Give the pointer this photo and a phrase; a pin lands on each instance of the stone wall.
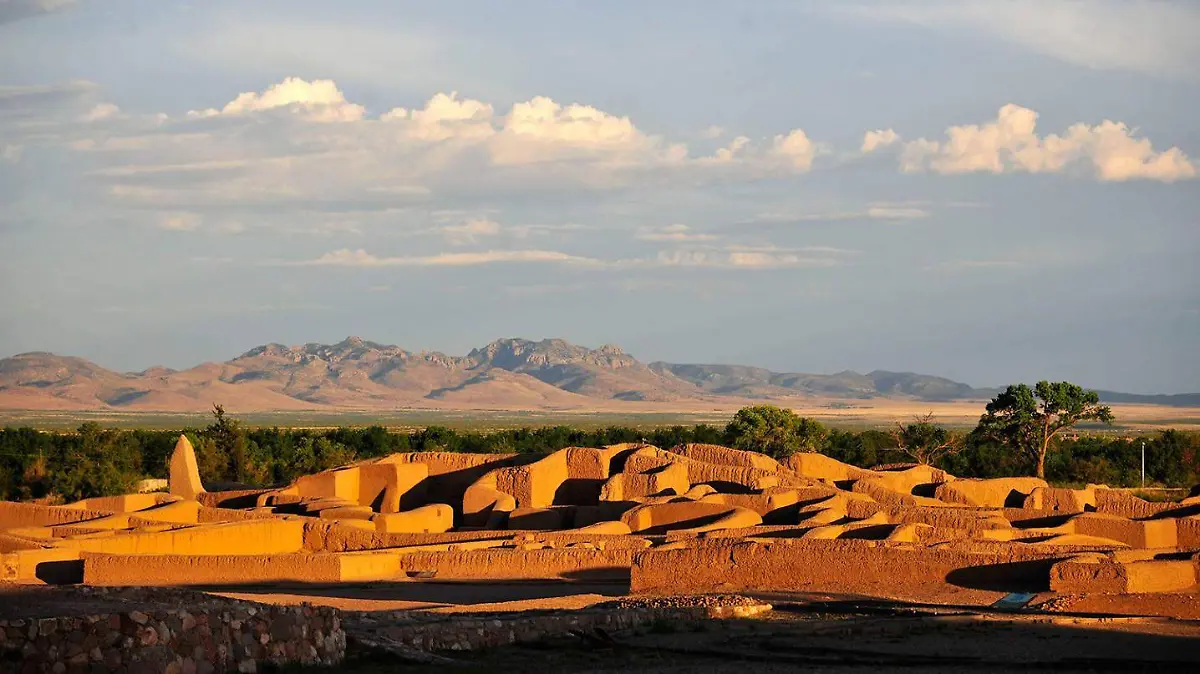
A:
(431, 632)
(232, 637)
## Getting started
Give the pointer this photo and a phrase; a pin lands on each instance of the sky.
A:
(994, 192)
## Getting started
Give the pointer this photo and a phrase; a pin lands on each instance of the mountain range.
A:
(508, 374)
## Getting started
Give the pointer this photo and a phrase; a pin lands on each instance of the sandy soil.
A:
(440, 596)
(877, 412)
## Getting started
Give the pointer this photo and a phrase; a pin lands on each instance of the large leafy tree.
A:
(1029, 419)
(774, 431)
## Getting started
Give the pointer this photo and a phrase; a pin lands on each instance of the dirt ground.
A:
(941, 629)
(931, 629)
(849, 637)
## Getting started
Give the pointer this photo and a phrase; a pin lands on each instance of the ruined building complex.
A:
(692, 519)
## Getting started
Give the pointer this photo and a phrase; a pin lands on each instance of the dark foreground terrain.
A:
(847, 637)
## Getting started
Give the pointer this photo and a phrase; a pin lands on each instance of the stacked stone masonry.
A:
(233, 637)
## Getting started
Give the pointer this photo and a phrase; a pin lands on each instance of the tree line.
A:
(1021, 432)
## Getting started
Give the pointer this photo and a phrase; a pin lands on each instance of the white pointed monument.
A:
(185, 473)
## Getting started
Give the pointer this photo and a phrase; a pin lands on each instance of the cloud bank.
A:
(1010, 144)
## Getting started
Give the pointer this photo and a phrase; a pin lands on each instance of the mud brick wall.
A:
(232, 638)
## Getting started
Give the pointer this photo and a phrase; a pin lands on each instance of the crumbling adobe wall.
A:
(220, 637)
(1061, 500)
(123, 503)
(240, 498)
(1124, 504)
(1136, 533)
(777, 505)
(249, 537)
(534, 485)
(726, 456)
(1102, 574)
(1187, 531)
(432, 518)
(484, 504)
(14, 515)
(736, 477)
(671, 478)
(450, 473)
(516, 564)
(392, 487)
(906, 480)
(503, 490)
(330, 536)
(821, 467)
(697, 516)
(823, 565)
(994, 493)
(176, 570)
(383, 486)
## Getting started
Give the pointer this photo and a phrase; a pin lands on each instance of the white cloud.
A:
(445, 116)
(731, 257)
(178, 222)
(880, 138)
(904, 210)
(766, 258)
(796, 149)
(1153, 37)
(1010, 143)
(318, 100)
(896, 212)
(10, 153)
(542, 130)
(269, 149)
(100, 111)
(677, 232)
(470, 231)
(361, 258)
(712, 132)
(731, 151)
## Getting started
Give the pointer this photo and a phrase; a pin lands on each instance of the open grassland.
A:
(840, 413)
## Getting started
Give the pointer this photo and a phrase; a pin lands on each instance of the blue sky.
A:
(990, 191)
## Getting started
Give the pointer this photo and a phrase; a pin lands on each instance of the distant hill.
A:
(508, 374)
(1176, 400)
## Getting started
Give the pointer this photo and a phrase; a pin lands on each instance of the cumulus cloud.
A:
(304, 142)
(445, 116)
(541, 129)
(677, 232)
(471, 231)
(796, 149)
(361, 258)
(880, 138)
(1010, 144)
(318, 100)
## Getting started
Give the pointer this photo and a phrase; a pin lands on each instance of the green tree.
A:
(246, 464)
(774, 431)
(1027, 420)
(924, 441)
